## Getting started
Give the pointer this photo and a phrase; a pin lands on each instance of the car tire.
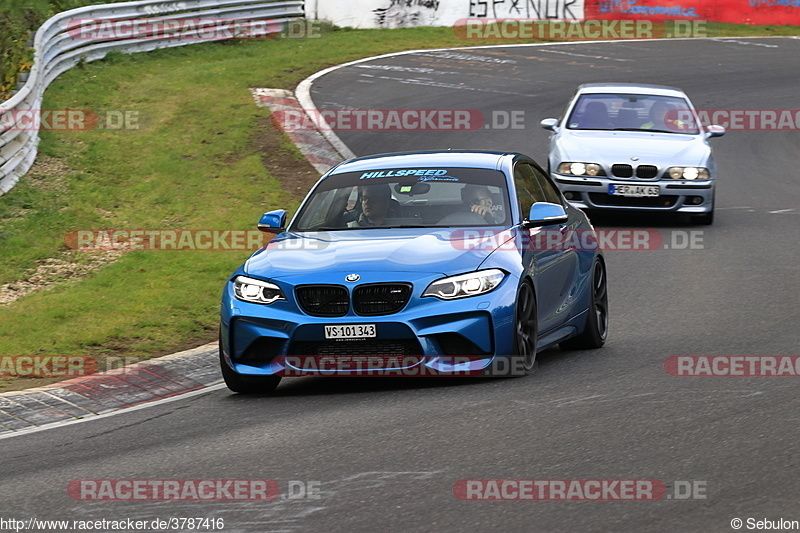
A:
(526, 331)
(246, 384)
(595, 332)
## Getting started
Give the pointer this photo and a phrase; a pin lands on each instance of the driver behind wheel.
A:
(478, 199)
(375, 200)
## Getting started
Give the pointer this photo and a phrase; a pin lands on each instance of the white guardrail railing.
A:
(59, 45)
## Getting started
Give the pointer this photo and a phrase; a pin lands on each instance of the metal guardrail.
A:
(57, 50)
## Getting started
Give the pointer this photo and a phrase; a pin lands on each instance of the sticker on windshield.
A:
(403, 172)
(438, 178)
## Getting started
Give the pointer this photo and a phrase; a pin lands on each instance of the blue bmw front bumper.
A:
(428, 332)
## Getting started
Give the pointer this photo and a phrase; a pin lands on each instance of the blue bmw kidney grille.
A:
(368, 300)
(323, 300)
(381, 299)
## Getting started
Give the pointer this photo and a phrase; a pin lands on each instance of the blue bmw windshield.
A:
(407, 197)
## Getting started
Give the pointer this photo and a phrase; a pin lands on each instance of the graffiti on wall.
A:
(729, 11)
(632, 7)
(405, 13)
(773, 3)
(441, 13)
(528, 9)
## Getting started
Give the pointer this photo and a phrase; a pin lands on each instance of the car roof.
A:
(627, 88)
(437, 158)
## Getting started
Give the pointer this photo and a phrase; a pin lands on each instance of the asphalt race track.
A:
(386, 453)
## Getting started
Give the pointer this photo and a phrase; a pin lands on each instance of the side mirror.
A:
(549, 124)
(715, 131)
(545, 214)
(273, 222)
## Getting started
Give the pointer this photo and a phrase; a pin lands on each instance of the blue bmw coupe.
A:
(421, 263)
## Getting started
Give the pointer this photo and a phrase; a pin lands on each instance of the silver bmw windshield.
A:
(633, 112)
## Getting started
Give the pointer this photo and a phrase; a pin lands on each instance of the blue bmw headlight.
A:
(465, 285)
(256, 291)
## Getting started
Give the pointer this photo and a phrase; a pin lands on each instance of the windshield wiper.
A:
(676, 131)
(651, 130)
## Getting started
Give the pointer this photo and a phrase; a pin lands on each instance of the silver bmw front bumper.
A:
(679, 196)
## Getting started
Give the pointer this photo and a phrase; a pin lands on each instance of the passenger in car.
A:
(658, 117)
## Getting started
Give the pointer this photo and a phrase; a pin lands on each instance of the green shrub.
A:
(18, 24)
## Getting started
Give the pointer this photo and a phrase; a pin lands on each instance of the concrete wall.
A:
(408, 13)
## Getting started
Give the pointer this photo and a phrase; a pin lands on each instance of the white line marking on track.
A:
(736, 41)
(398, 68)
(428, 82)
(584, 55)
(210, 388)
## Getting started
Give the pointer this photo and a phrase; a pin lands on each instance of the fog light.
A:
(696, 200)
(569, 195)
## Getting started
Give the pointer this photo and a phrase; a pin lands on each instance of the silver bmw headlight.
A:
(687, 173)
(256, 291)
(580, 169)
(465, 285)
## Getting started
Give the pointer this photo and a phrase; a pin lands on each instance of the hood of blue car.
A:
(446, 251)
(620, 146)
